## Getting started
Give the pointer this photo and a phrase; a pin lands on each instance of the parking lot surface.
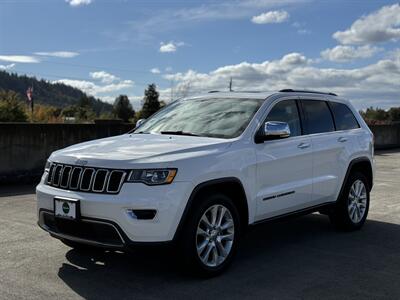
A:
(299, 258)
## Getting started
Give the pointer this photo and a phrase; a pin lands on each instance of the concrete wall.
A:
(25, 147)
(386, 136)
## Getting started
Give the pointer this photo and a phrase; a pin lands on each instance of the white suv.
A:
(203, 169)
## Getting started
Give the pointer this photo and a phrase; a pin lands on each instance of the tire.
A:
(199, 238)
(351, 209)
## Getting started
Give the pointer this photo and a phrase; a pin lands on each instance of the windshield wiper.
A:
(179, 132)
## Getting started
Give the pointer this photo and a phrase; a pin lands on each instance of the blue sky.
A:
(111, 47)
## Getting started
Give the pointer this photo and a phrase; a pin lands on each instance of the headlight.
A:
(153, 177)
(47, 166)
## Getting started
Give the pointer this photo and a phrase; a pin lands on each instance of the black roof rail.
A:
(216, 91)
(305, 91)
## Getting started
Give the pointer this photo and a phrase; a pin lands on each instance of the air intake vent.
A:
(86, 179)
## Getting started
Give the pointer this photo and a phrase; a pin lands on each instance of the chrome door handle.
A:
(342, 139)
(303, 145)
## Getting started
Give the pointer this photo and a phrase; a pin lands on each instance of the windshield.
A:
(217, 117)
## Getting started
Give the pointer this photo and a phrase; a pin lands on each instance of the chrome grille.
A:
(86, 179)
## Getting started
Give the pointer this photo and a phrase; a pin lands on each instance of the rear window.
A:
(318, 116)
(344, 117)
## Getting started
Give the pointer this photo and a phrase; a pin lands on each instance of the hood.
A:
(137, 148)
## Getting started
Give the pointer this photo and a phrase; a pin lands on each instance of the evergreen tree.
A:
(123, 108)
(11, 109)
(151, 103)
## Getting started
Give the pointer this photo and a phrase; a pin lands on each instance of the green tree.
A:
(394, 114)
(151, 103)
(11, 109)
(84, 111)
(376, 114)
(123, 108)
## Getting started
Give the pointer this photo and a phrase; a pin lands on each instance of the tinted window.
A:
(344, 118)
(318, 115)
(286, 111)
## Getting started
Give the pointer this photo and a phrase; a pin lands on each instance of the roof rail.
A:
(304, 91)
(216, 91)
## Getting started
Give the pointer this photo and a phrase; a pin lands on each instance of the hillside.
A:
(59, 95)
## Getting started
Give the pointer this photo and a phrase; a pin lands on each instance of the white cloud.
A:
(61, 54)
(374, 84)
(348, 53)
(170, 47)
(19, 58)
(275, 16)
(7, 67)
(78, 2)
(155, 71)
(94, 89)
(169, 19)
(109, 85)
(104, 76)
(380, 26)
(301, 28)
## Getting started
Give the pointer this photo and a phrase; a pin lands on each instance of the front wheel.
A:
(211, 235)
(351, 209)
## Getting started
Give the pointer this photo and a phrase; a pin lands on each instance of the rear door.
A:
(284, 166)
(330, 149)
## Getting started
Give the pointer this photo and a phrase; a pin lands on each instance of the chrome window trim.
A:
(120, 183)
(91, 179)
(104, 182)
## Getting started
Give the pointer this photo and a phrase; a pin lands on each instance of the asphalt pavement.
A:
(300, 258)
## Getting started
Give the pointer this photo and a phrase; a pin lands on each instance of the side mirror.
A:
(273, 130)
(140, 122)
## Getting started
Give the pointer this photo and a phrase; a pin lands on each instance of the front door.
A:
(284, 166)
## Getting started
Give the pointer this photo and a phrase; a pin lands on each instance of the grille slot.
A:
(115, 181)
(57, 175)
(65, 176)
(100, 180)
(75, 178)
(86, 179)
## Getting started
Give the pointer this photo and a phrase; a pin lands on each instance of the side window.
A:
(286, 111)
(318, 116)
(344, 117)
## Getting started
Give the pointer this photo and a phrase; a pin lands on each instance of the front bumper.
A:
(112, 210)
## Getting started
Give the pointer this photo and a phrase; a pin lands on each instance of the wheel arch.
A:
(230, 186)
(363, 165)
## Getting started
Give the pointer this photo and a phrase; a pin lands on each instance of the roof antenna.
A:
(230, 85)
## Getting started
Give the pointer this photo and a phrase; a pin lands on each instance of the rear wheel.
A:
(211, 235)
(351, 209)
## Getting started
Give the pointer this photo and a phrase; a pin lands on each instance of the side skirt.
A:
(298, 213)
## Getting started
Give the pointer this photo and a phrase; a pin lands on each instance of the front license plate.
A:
(66, 208)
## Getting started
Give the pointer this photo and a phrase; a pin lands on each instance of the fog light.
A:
(142, 214)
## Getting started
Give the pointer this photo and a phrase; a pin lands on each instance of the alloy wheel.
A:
(357, 203)
(215, 235)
